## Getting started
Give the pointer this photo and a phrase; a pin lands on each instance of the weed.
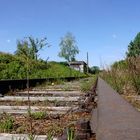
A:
(6, 123)
(49, 136)
(32, 137)
(87, 84)
(70, 134)
(38, 115)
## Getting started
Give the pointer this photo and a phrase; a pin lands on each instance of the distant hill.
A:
(15, 67)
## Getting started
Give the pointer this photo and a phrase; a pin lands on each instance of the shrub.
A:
(15, 67)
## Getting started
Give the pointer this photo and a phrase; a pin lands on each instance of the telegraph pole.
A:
(87, 63)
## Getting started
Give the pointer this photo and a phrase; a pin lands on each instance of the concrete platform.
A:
(116, 118)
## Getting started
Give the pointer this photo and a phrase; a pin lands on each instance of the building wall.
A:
(80, 67)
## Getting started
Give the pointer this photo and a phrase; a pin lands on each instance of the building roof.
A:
(77, 63)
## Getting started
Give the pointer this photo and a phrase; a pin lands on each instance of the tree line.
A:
(29, 47)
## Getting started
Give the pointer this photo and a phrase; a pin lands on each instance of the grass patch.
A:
(87, 83)
(39, 115)
(6, 123)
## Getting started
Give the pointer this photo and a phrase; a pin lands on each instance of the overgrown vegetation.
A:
(124, 75)
(87, 83)
(26, 59)
(15, 67)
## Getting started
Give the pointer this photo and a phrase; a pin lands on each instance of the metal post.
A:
(87, 64)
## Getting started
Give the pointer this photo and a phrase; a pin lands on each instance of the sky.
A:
(103, 28)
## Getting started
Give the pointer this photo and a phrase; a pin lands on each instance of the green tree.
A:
(94, 69)
(122, 64)
(134, 47)
(36, 45)
(23, 49)
(30, 47)
(68, 47)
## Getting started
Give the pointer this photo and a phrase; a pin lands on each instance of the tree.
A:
(134, 47)
(68, 47)
(30, 47)
(22, 49)
(94, 69)
(36, 45)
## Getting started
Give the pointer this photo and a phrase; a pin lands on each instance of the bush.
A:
(15, 67)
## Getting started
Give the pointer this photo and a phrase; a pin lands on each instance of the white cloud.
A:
(114, 36)
(8, 40)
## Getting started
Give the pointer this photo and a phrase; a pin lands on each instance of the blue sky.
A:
(103, 28)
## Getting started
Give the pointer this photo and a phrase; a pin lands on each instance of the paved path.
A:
(117, 119)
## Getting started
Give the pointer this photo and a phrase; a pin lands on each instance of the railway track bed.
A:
(52, 112)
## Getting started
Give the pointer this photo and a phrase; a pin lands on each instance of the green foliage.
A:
(23, 49)
(15, 67)
(6, 123)
(49, 136)
(122, 64)
(68, 47)
(32, 137)
(5, 58)
(87, 84)
(134, 47)
(29, 47)
(94, 70)
(70, 134)
(39, 115)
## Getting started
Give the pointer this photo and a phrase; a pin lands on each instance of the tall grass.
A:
(124, 76)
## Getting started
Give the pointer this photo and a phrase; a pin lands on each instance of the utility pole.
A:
(87, 63)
